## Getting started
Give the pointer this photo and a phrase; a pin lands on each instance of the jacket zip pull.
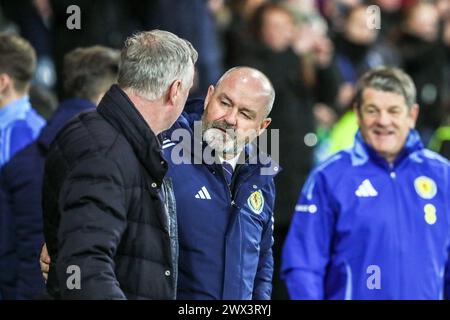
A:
(392, 171)
(234, 204)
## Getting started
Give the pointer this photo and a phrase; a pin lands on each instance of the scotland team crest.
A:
(425, 187)
(256, 202)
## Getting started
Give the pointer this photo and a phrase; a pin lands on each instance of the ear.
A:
(414, 114)
(174, 92)
(357, 112)
(5, 81)
(209, 95)
(264, 124)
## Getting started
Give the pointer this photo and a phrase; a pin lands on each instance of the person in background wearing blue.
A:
(88, 74)
(225, 206)
(373, 222)
(19, 123)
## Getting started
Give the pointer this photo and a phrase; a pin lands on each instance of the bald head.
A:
(240, 102)
(246, 78)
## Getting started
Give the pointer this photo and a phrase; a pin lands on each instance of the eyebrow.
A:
(251, 112)
(376, 107)
(223, 95)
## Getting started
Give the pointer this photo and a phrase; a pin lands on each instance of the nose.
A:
(231, 116)
(384, 119)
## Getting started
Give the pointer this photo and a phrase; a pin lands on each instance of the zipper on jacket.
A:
(392, 171)
(230, 194)
(393, 176)
(248, 175)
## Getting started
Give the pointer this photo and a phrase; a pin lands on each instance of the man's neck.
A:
(149, 110)
(9, 98)
(232, 159)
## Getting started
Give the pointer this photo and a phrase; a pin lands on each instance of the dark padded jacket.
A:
(106, 223)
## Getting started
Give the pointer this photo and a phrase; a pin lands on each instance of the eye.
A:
(246, 116)
(224, 103)
(395, 111)
(371, 111)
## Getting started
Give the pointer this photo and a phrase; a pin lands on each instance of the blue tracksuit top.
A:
(364, 229)
(19, 126)
(225, 237)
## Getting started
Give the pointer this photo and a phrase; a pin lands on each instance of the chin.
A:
(384, 149)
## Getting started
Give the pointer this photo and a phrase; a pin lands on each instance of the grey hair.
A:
(152, 60)
(387, 79)
(264, 80)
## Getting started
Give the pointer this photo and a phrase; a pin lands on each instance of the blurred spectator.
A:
(357, 52)
(445, 84)
(103, 22)
(43, 100)
(440, 141)
(193, 21)
(336, 11)
(390, 15)
(88, 74)
(443, 7)
(238, 31)
(5, 23)
(33, 19)
(19, 123)
(423, 58)
(340, 137)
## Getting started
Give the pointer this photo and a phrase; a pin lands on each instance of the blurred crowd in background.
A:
(313, 51)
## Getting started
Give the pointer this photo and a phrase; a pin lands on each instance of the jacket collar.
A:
(121, 113)
(17, 109)
(66, 110)
(362, 152)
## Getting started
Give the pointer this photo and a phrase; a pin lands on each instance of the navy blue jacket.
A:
(21, 235)
(225, 236)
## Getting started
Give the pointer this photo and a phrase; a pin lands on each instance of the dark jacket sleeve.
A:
(93, 220)
(262, 289)
(7, 255)
(22, 184)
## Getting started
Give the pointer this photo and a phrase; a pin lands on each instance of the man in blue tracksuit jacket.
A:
(373, 222)
(225, 228)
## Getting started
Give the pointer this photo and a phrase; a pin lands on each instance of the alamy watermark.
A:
(374, 279)
(191, 147)
(73, 22)
(74, 280)
(373, 20)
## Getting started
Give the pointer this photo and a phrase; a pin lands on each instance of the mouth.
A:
(383, 133)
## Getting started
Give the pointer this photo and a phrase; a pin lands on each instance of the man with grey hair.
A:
(225, 204)
(110, 223)
(373, 221)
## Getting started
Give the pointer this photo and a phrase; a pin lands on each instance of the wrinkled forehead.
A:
(245, 90)
(383, 99)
